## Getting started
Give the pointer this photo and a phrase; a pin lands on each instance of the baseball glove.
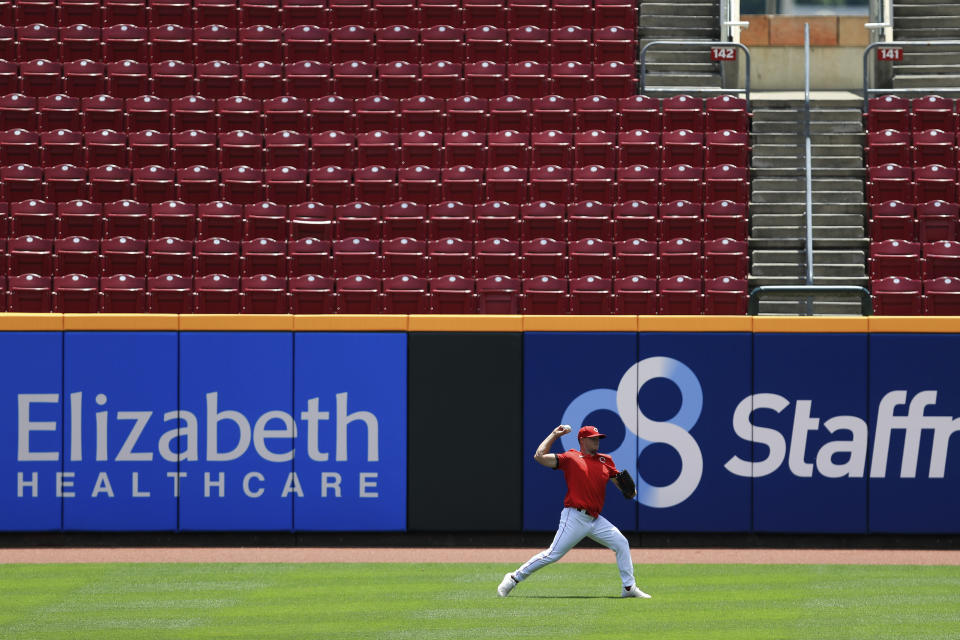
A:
(625, 482)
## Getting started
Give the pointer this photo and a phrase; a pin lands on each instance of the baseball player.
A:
(586, 473)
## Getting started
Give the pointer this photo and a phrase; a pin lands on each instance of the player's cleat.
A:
(633, 592)
(506, 585)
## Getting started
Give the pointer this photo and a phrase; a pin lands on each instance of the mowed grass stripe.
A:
(448, 601)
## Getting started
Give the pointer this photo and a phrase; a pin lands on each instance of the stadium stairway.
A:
(680, 66)
(927, 20)
(778, 200)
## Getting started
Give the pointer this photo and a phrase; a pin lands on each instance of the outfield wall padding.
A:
(428, 423)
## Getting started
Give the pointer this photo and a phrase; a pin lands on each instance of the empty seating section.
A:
(374, 156)
(912, 163)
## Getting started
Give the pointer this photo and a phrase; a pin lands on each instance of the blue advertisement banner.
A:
(914, 474)
(31, 438)
(237, 431)
(350, 395)
(120, 431)
(809, 424)
(572, 378)
(689, 386)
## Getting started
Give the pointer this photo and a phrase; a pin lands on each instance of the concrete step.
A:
(820, 307)
(800, 231)
(650, 34)
(928, 56)
(767, 165)
(787, 183)
(835, 126)
(680, 23)
(905, 34)
(796, 115)
(799, 206)
(666, 55)
(679, 9)
(927, 70)
(793, 269)
(832, 244)
(703, 80)
(819, 257)
(816, 139)
(819, 150)
(930, 21)
(800, 219)
(901, 10)
(819, 197)
(763, 102)
(924, 81)
(682, 67)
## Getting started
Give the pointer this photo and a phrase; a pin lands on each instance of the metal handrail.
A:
(885, 10)
(867, 91)
(808, 150)
(730, 17)
(694, 43)
(866, 300)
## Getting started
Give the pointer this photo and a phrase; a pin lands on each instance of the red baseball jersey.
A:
(587, 478)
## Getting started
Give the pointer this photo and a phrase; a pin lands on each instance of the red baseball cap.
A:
(589, 432)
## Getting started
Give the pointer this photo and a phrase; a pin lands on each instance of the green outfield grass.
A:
(447, 601)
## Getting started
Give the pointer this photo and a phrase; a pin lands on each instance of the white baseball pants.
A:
(574, 527)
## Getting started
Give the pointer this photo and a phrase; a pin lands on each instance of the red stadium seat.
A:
(941, 259)
(893, 220)
(546, 294)
(635, 295)
(895, 258)
(639, 182)
(889, 182)
(304, 12)
(312, 294)
(311, 220)
(467, 113)
(543, 219)
(935, 182)
(453, 294)
(76, 293)
(451, 257)
(171, 42)
(451, 219)
(937, 220)
(888, 112)
(263, 256)
(640, 112)
(596, 112)
(30, 293)
(262, 80)
(306, 43)
(419, 184)
(572, 42)
(150, 147)
(194, 148)
(681, 182)
(264, 293)
(19, 146)
(683, 112)
(123, 255)
(529, 41)
(510, 113)
(421, 148)
(726, 182)
(240, 113)
(551, 183)
(934, 112)
(404, 220)
(591, 257)
(941, 296)
(193, 112)
(421, 113)
(725, 257)
(682, 147)
(591, 295)
(67, 182)
(218, 80)
(241, 148)
(33, 217)
(309, 256)
(353, 256)
(589, 219)
(261, 42)
(30, 254)
(499, 294)
(174, 219)
(216, 41)
(218, 256)
(681, 219)
(359, 294)
(725, 296)
(496, 219)
(375, 184)
(242, 185)
(406, 294)
(398, 42)
(528, 79)
(122, 293)
(727, 147)
(78, 218)
(484, 79)
(595, 183)
(399, 79)
(551, 148)
(173, 79)
(680, 257)
(507, 183)
(595, 147)
(217, 293)
(680, 295)
(897, 296)
(76, 254)
(615, 79)
(726, 113)
(405, 256)
(933, 146)
(497, 256)
(636, 257)
(725, 219)
(287, 148)
(442, 42)
(572, 79)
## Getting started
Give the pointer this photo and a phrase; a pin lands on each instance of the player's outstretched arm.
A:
(543, 455)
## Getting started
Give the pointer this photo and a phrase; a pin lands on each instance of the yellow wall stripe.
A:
(490, 323)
